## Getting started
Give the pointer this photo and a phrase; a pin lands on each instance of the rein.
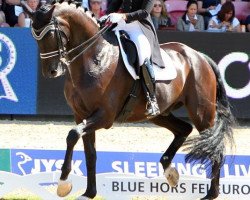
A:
(62, 52)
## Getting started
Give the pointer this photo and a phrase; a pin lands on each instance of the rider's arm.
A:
(143, 13)
(114, 6)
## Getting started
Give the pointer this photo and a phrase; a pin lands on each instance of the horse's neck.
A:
(99, 56)
(82, 32)
(95, 68)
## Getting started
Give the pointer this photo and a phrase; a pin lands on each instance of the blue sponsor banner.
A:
(18, 71)
(142, 164)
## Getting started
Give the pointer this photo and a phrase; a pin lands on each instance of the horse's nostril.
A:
(53, 73)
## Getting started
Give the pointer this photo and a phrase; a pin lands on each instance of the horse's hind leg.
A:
(181, 130)
(203, 118)
(213, 192)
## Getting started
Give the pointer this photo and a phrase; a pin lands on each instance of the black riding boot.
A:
(148, 84)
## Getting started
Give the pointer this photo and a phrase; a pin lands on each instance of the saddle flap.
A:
(129, 48)
(167, 73)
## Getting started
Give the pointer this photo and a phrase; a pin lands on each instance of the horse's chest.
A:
(78, 104)
(86, 98)
(74, 97)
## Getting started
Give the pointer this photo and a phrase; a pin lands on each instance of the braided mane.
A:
(66, 5)
(77, 3)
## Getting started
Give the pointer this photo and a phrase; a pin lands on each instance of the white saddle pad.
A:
(168, 73)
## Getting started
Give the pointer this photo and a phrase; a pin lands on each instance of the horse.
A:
(97, 85)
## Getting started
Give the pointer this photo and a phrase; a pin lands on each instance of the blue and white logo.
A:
(236, 93)
(25, 161)
(7, 63)
(18, 72)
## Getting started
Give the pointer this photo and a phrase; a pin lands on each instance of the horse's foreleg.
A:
(64, 186)
(181, 130)
(98, 120)
(86, 129)
(90, 155)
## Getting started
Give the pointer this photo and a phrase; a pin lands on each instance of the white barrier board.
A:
(113, 186)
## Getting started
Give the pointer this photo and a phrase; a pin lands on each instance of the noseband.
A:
(62, 52)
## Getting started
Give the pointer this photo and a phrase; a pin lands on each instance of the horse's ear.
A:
(27, 9)
(48, 14)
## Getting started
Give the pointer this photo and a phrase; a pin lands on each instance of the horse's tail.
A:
(209, 147)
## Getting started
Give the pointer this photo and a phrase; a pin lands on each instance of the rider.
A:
(134, 18)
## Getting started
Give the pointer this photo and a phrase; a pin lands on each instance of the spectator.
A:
(9, 10)
(160, 16)
(105, 4)
(209, 8)
(23, 18)
(3, 19)
(248, 23)
(85, 4)
(225, 20)
(191, 21)
(95, 6)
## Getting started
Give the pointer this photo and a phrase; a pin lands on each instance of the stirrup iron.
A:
(152, 108)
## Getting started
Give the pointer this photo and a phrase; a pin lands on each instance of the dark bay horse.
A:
(97, 85)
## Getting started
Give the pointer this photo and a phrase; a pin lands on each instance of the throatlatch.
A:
(148, 85)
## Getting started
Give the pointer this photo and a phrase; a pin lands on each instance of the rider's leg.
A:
(148, 77)
(147, 73)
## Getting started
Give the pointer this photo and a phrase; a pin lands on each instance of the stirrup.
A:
(152, 108)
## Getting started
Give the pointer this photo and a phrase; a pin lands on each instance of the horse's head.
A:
(51, 28)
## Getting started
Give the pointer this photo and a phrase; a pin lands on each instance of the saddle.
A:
(129, 48)
(130, 59)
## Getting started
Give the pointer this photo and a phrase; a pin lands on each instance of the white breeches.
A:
(137, 36)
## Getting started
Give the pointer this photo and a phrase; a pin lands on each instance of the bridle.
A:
(62, 52)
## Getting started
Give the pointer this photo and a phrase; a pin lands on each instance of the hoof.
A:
(82, 198)
(64, 188)
(172, 176)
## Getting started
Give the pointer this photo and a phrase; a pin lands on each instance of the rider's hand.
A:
(103, 19)
(116, 17)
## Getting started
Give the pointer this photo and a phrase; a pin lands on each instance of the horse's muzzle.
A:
(54, 72)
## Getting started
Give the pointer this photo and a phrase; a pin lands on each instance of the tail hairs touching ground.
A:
(209, 147)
